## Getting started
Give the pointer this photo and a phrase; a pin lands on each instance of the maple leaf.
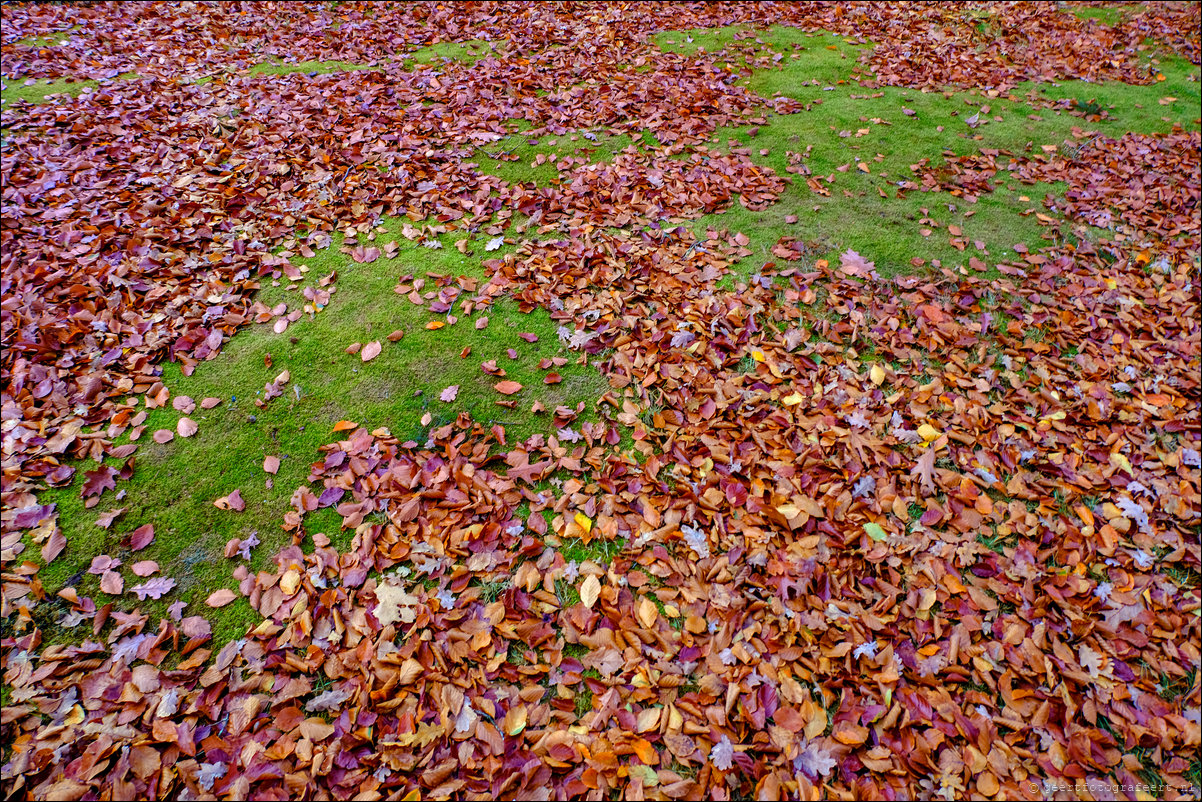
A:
(924, 471)
(1091, 661)
(722, 754)
(854, 264)
(99, 480)
(209, 773)
(814, 760)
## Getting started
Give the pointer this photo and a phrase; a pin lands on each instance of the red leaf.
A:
(141, 537)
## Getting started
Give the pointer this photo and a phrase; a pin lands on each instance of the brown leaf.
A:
(271, 464)
(507, 387)
(186, 427)
(220, 598)
(370, 351)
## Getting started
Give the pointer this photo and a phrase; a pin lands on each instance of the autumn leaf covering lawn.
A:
(600, 401)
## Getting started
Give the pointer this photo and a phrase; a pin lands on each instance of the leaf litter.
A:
(764, 620)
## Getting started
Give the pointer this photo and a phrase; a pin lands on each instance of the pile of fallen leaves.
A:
(875, 538)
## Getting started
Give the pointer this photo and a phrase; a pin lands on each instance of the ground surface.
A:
(605, 401)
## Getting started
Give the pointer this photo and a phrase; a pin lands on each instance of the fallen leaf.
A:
(507, 387)
(220, 598)
(590, 591)
(370, 351)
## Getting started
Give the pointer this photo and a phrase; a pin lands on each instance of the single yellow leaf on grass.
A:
(584, 522)
(590, 591)
(758, 356)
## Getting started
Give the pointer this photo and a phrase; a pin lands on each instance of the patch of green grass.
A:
(175, 484)
(15, 89)
(888, 129)
(1107, 15)
(599, 551)
(43, 89)
(309, 67)
(519, 159)
(467, 52)
(49, 40)
(584, 702)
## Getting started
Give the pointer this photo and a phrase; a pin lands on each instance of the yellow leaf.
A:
(290, 581)
(877, 374)
(584, 522)
(758, 356)
(435, 324)
(647, 613)
(1120, 461)
(590, 590)
(928, 432)
(792, 400)
(515, 720)
(1057, 415)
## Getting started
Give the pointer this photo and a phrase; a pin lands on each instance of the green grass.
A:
(311, 67)
(42, 89)
(175, 484)
(514, 157)
(889, 129)
(1109, 15)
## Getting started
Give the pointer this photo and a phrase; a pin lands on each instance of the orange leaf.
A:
(370, 351)
(507, 387)
(271, 464)
(645, 751)
(344, 425)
